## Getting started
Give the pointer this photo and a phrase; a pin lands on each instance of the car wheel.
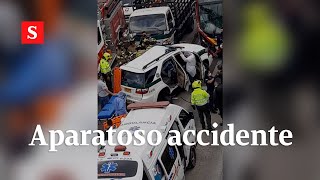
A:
(193, 158)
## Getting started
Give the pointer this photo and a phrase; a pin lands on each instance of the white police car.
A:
(158, 72)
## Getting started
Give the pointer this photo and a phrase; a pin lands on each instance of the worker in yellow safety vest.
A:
(105, 69)
(200, 100)
(104, 64)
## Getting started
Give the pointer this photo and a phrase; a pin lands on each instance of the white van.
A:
(150, 162)
(154, 75)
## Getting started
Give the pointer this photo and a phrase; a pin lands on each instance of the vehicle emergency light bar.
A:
(160, 104)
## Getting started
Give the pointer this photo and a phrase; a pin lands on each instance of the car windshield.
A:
(211, 17)
(117, 169)
(138, 80)
(148, 23)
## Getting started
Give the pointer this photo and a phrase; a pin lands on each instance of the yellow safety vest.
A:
(104, 66)
(199, 97)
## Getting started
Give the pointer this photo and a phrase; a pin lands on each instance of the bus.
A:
(209, 17)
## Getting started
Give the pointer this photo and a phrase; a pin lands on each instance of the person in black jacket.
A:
(209, 80)
(219, 73)
(218, 96)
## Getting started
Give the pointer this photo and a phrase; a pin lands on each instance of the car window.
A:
(150, 75)
(180, 60)
(201, 52)
(138, 80)
(184, 118)
(169, 157)
(132, 79)
(174, 126)
(168, 69)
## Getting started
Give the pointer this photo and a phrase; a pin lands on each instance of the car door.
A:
(186, 122)
(170, 73)
(181, 64)
(170, 161)
(175, 126)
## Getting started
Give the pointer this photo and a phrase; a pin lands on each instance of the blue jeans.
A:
(103, 101)
(190, 78)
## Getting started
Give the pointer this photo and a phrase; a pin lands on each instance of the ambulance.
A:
(149, 162)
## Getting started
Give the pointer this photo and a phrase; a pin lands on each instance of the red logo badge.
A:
(32, 32)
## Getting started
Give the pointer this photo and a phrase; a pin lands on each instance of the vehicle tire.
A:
(190, 25)
(164, 95)
(193, 158)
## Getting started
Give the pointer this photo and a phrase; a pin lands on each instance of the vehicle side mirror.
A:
(191, 115)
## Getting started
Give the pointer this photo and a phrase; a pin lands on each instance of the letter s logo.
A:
(33, 32)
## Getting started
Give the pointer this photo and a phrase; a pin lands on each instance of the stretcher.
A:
(108, 110)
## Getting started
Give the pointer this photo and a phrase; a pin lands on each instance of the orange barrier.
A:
(116, 80)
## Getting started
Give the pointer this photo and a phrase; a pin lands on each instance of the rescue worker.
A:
(103, 93)
(105, 68)
(190, 59)
(119, 104)
(200, 99)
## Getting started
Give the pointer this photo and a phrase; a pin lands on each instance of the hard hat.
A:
(196, 84)
(107, 56)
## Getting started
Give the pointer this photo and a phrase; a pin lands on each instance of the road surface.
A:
(209, 158)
